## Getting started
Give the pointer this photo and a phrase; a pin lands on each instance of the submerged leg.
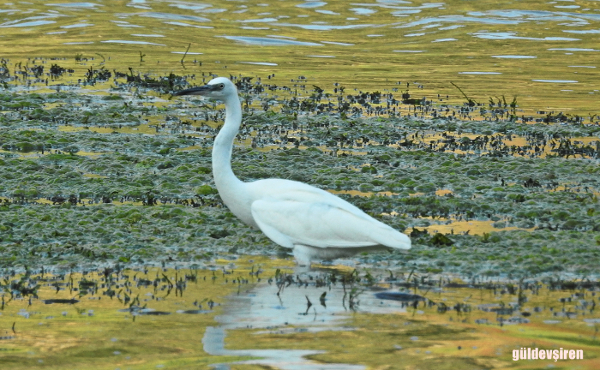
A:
(303, 255)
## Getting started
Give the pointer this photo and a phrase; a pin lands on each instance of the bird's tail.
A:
(391, 238)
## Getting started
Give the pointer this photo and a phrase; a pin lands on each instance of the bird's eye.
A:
(221, 86)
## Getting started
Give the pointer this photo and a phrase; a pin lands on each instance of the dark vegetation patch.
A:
(89, 179)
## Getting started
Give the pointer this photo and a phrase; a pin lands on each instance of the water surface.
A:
(370, 45)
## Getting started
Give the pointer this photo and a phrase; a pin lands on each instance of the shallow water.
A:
(237, 313)
(284, 313)
(519, 207)
(489, 49)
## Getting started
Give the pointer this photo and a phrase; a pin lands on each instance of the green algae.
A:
(120, 146)
(103, 172)
(64, 175)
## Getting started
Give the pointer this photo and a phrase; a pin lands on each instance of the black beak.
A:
(200, 90)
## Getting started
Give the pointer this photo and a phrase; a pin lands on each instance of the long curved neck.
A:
(227, 183)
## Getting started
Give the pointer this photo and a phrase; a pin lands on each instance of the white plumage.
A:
(314, 223)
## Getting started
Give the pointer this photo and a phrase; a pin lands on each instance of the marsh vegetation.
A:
(116, 251)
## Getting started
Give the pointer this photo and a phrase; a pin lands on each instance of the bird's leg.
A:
(302, 255)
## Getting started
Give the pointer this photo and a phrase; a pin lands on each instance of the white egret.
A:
(313, 222)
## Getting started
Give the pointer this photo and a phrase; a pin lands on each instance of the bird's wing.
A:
(323, 225)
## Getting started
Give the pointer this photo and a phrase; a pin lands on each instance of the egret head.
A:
(218, 88)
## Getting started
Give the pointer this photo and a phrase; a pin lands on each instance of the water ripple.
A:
(169, 16)
(328, 12)
(512, 36)
(259, 63)
(131, 42)
(190, 6)
(267, 41)
(77, 25)
(363, 11)
(558, 81)
(145, 35)
(312, 4)
(581, 31)
(337, 43)
(77, 5)
(572, 49)
(514, 56)
(457, 19)
(183, 24)
(25, 24)
(264, 20)
(326, 27)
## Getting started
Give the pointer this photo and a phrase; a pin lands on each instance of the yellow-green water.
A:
(544, 53)
(224, 313)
